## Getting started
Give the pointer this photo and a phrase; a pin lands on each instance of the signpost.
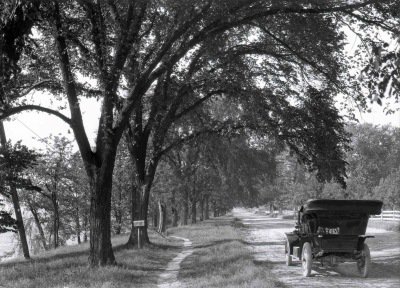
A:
(139, 224)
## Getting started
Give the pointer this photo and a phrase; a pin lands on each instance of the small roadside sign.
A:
(138, 223)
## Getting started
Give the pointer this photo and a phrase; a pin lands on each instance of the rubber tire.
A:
(364, 264)
(306, 259)
(288, 257)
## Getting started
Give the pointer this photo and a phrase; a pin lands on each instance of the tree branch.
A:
(152, 73)
(16, 110)
(37, 85)
(301, 57)
(197, 134)
(76, 121)
(377, 23)
(197, 103)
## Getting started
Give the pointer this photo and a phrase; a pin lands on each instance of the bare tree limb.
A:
(15, 110)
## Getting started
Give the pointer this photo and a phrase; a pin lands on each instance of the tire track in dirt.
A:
(266, 238)
(169, 279)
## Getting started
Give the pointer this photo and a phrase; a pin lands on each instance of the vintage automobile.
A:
(332, 231)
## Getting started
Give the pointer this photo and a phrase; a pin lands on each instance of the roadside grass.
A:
(386, 225)
(387, 240)
(220, 257)
(68, 266)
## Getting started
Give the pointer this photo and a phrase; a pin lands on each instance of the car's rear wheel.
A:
(288, 257)
(364, 263)
(306, 259)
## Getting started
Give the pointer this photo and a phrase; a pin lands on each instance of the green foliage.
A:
(372, 171)
(375, 153)
(7, 222)
(388, 190)
(62, 203)
(321, 142)
(16, 21)
(378, 59)
(14, 162)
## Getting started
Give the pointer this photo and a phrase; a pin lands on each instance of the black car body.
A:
(332, 231)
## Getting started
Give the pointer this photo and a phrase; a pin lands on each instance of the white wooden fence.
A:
(388, 215)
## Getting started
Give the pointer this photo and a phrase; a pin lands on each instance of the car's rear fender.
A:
(361, 240)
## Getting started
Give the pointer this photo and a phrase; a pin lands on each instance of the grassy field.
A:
(386, 225)
(220, 259)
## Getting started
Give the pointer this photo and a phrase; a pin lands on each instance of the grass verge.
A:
(220, 258)
(68, 267)
(386, 225)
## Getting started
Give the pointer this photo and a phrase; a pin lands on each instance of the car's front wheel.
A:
(306, 259)
(364, 263)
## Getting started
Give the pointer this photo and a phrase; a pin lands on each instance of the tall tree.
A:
(15, 160)
(388, 190)
(53, 176)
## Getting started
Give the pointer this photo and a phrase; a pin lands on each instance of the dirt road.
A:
(265, 236)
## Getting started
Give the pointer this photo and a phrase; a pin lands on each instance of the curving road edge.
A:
(169, 278)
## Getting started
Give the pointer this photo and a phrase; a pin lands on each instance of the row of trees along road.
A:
(164, 72)
(208, 176)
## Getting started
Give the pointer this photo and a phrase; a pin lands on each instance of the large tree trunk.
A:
(144, 176)
(101, 252)
(141, 205)
(38, 225)
(144, 209)
(135, 214)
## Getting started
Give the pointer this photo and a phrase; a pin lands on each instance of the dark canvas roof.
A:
(356, 206)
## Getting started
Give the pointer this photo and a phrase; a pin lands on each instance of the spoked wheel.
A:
(288, 257)
(306, 259)
(364, 262)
